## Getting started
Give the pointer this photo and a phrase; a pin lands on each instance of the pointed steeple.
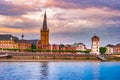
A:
(22, 35)
(45, 22)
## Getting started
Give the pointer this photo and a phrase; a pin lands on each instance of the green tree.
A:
(102, 50)
(62, 45)
(87, 52)
(33, 46)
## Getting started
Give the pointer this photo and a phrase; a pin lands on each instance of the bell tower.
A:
(44, 36)
(45, 32)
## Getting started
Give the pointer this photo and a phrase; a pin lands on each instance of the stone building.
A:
(11, 42)
(8, 41)
(95, 45)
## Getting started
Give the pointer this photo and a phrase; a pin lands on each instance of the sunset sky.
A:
(69, 21)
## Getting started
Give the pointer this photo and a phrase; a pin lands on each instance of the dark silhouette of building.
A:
(43, 43)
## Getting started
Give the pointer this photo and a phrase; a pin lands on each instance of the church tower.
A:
(45, 32)
(44, 37)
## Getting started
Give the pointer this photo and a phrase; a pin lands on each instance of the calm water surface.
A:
(59, 70)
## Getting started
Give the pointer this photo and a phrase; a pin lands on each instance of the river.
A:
(59, 70)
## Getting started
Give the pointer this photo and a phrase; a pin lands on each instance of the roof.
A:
(15, 39)
(33, 41)
(95, 36)
(110, 45)
(76, 44)
(8, 37)
(118, 45)
(23, 41)
(81, 44)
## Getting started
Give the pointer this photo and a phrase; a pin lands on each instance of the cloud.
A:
(76, 20)
(31, 20)
(73, 4)
(11, 8)
(69, 21)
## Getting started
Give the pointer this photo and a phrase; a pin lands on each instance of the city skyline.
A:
(69, 22)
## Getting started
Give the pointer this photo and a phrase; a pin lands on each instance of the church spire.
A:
(22, 35)
(45, 22)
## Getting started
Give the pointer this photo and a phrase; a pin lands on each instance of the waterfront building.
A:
(24, 44)
(95, 45)
(43, 43)
(55, 47)
(109, 49)
(81, 47)
(68, 47)
(8, 41)
(117, 48)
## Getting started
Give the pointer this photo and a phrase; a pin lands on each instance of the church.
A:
(43, 42)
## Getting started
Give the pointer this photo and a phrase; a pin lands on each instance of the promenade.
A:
(51, 56)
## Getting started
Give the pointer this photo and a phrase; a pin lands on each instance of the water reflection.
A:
(44, 71)
(95, 70)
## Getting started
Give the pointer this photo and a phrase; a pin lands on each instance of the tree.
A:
(62, 45)
(87, 52)
(102, 50)
(33, 46)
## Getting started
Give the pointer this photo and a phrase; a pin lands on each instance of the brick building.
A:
(24, 44)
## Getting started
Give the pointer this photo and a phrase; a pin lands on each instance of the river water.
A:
(59, 70)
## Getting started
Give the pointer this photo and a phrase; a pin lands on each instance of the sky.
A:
(69, 21)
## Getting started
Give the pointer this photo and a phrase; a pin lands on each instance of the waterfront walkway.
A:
(54, 56)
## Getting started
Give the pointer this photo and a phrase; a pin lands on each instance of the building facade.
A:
(8, 41)
(81, 46)
(23, 44)
(11, 42)
(109, 49)
(55, 47)
(68, 47)
(44, 38)
(95, 45)
(117, 49)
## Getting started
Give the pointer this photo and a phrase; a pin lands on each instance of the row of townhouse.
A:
(113, 49)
